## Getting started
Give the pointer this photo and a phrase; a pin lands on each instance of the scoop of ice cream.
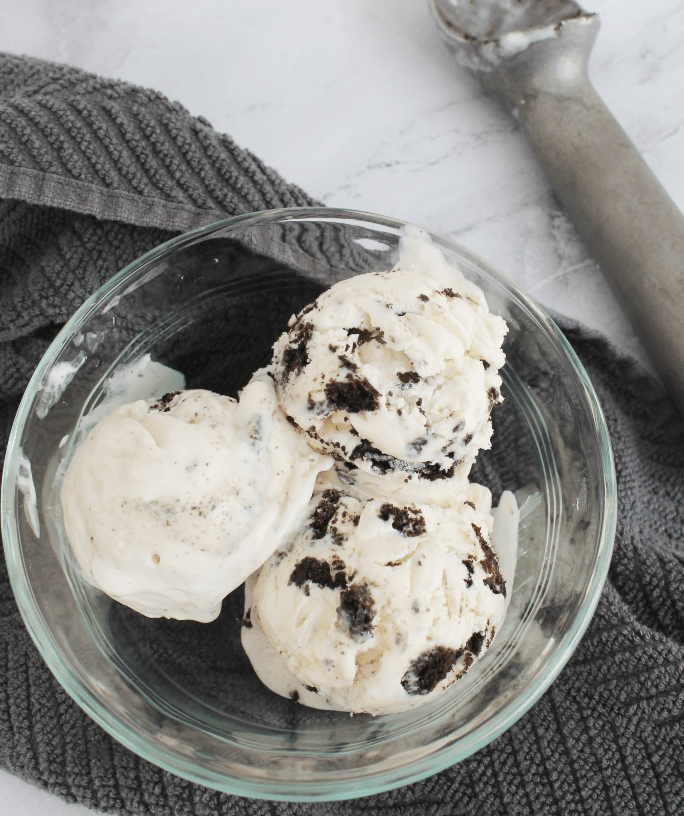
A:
(376, 607)
(170, 504)
(395, 370)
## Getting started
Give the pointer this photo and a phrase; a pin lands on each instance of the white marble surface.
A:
(361, 105)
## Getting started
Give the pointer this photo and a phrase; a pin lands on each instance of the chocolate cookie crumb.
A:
(475, 642)
(247, 619)
(490, 565)
(478, 533)
(366, 335)
(494, 395)
(338, 538)
(337, 563)
(496, 583)
(428, 670)
(295, 356)
(450, 293)
(407, 520)
(407, 377)
(163, 404)
(424, 298)
(470, 504)
(468, 564)
(355, 395)
(312, 570)
(380, 461)
(347, 363)
(168, 397)
(384, 463)
(324, 512)
(417, 445)
(432, 471)
(312, 689)
(312, 432)
(357, 609)
(305, 311)
(294, 696)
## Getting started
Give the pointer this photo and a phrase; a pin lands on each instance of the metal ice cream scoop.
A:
(532, 56)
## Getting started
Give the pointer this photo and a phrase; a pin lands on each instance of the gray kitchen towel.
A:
(95, 172)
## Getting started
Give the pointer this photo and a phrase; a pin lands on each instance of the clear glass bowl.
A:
(182, 694)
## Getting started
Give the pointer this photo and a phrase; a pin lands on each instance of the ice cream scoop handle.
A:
(629, 222)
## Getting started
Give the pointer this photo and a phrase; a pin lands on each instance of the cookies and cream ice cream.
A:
(373, 606)
(397, 370)
(380, 591)
(170, 504)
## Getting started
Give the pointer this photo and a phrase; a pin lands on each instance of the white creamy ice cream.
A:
(170, 504)
(395, 370)
(375, 607)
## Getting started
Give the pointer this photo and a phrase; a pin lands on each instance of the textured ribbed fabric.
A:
(101, 147)
(95, 172)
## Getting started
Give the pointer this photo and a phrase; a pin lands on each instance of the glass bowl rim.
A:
(335, 789)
